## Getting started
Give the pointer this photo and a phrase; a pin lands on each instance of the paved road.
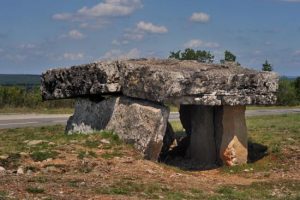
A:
(33, 120)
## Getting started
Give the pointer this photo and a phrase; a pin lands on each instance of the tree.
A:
(267, 66)
(175, 55)
(297, 87)
(191, 54)
(230, 57)
(287, 94)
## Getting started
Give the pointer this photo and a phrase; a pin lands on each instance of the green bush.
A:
(287, 93)
(21, 96)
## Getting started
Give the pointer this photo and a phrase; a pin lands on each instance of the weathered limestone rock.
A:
(180, 82)
(202, 145)
(81, 80)
(231, 134)
(138, 122)
(191, 82)
(90, 115)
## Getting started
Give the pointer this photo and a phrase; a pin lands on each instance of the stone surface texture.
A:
(81, 80)
(231, 134)
(140, 123)
(218, 134)
(202, 145)
(165, 81)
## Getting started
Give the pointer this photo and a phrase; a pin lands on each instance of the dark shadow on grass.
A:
(256, 151)
(177, 156)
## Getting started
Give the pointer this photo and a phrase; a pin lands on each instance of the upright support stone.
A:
(231, 134)
(185, 117)
(140, 123)
(202, 145)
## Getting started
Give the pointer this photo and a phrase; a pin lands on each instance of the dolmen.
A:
(130, 98)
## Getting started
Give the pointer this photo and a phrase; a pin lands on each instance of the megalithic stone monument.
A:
(129, 98)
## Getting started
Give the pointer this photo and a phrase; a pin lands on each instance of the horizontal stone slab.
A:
(82, 80)
(164, 81)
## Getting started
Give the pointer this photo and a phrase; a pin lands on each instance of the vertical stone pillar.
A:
(202, 145)
(185, 117)
(231, 134)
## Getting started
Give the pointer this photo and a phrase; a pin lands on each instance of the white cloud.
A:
(111, 8)
(296, 53)
(118, 43)
(94, 24)
(196, 43)
(73, 56)
(134, 35)
(141, 30)
(151, 28)
(62, 16)
(75, 34)
(200, 17)
(27, 46)
(107, 8)
(118, 54)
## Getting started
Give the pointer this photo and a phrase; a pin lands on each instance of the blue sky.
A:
(37, 35)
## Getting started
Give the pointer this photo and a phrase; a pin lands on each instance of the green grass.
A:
(3, 195)
(270, 107)
(35, 190)
(277, 190)
(12, 140)
(112, 154)
(149, 190)
(43, 155)
(86, 154)
(275, 131)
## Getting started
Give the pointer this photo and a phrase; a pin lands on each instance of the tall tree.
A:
(267, 66)
(228, 56)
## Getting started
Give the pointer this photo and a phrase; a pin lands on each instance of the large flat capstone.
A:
(140, 123)
(164, 81)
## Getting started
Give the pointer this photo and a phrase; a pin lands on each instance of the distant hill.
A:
(289, 77)
(19, 79)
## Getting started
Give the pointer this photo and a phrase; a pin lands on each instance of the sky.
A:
(38, 35)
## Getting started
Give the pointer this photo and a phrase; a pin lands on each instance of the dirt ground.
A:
(127, 177)
(101, 167)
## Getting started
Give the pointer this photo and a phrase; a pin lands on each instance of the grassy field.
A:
(100, 166)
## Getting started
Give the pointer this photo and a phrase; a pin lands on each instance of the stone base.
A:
(231, 134)
(218, 134)
(138, 122)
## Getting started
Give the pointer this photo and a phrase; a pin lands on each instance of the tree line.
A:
(288, 92)
(30, 97)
